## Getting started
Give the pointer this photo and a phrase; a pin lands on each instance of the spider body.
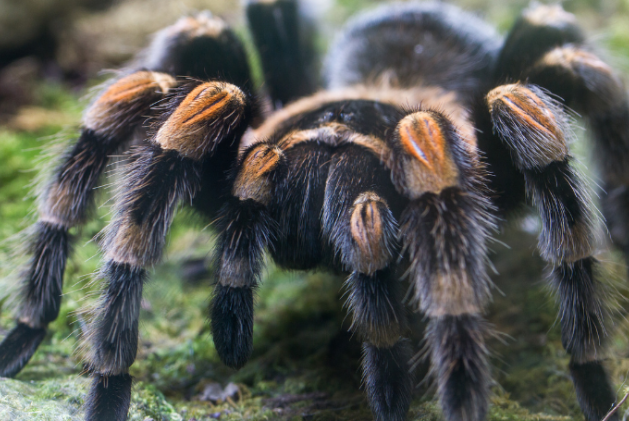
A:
(429, 128)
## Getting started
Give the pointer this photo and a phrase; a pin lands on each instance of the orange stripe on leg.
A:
(209, 111)
(527, 107)
(429, 165)
(530, 123)
(123, 95)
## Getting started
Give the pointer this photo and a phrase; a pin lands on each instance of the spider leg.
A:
(188, 47)
(273, 187)
(245, 228)
(533, 127)
(206, 125)
(361, 227)
(591, 87)
(559, 60)
(443, 230)
(66, 201)
(284, 39)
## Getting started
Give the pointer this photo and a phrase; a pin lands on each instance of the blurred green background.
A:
(305, 365)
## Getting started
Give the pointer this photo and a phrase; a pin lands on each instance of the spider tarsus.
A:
(231, 314)
(388, 380)
(594, 390)
(18, 347)
(459, 363)
(109, 398)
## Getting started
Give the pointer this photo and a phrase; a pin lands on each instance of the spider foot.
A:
(387, 380)
(232, 324)
(109, 398)
(594, 391)
(459, 363)
(18, 347)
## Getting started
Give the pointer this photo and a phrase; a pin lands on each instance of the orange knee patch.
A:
(202, 24)
(125, 93)
(366, 222)
(431, 167)
(252, 181)
(526, 107)
(522, 107)
(572, 58)
(206, 114)
(582, 65)
(422, 137)
(368, 233)
(549, 15)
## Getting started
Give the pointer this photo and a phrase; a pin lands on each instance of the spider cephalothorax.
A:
(430, 127)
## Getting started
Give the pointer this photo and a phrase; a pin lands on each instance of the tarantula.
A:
(430, 127)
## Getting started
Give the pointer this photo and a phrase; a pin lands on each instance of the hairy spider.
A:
(430, 126)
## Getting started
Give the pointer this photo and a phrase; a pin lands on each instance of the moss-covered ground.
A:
(305, 364)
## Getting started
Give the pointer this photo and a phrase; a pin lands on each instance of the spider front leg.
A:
(361, 228)
(66, 201)
(275, 198)
(444, 230)
(534, 129)
(206, 126)
(189, 47)
(245, 228)
(590, 86)
(561, 62)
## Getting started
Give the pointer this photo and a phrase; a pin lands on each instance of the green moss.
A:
(62, 399)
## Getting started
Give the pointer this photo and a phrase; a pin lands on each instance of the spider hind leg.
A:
(284, 38)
